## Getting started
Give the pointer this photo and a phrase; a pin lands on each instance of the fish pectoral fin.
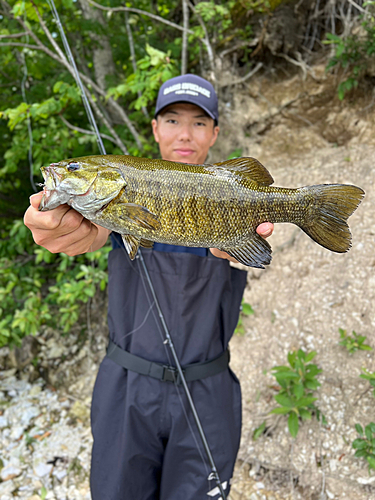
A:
(138, 215)
(255, 253)
(247, 168)
(131, 244)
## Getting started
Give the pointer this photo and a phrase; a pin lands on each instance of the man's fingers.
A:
(77, 242)
(265, 229)
(222, 255)
(35, 199)
(62, 219)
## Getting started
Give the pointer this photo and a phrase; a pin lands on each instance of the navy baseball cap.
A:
(188, 88)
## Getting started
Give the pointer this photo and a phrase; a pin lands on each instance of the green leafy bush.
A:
(353, 53)
(295, 396)
(365, 444)
(39, 288)
(353, 343)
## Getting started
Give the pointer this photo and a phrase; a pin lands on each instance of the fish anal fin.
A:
(136, 214)
(131, 244)
(146, 243)
(244, 168)
(256, 252)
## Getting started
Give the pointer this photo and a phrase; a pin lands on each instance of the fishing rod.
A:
(168, 339)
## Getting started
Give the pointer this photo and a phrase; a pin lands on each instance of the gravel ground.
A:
(301, 301)
(45, 442)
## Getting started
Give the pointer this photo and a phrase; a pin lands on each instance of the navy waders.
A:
(146, 445)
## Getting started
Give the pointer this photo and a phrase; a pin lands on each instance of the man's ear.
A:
(214, 135)
(154, 124)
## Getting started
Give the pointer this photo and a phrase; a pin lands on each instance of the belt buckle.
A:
(171, 374)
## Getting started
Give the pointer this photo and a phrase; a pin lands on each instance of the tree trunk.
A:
(102, 54)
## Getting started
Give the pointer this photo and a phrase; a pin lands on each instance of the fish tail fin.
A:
(326, 219)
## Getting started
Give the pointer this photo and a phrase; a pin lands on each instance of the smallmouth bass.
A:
(213, 206)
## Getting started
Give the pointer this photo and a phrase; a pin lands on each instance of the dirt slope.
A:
(304, 135)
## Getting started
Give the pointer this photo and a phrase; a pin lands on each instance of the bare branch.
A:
(49, 35)
(185, 11)
(88, 81)
(235, 47)
(361, 9)
(15, 35)
(246, 77)
(18, 44)
(206, 41)
(84, 131)
(132, 54)
(300, 63)
(142, 12)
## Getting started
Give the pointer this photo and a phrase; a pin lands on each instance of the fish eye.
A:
(72, 167)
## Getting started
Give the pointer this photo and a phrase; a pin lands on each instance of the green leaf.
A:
(247, 309)
(359, 444)
(311, 355)
(291, 358)
(43, 493)
(312, 384)
(280, 411)
(365, 347)
(305, 401)
(371, 462)
(287, 375)
(156, 56)
(301, 355)
(304, 414)
(259, 431)
(298, 390)
(360, 453)
(359, 429)
(368, 432)
(284, 400)
(293, 424)
(282, 368)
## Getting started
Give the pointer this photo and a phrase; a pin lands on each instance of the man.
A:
(146, 444)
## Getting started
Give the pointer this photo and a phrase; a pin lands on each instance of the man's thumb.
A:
(35, 199)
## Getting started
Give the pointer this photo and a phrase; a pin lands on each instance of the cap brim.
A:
(210, 114)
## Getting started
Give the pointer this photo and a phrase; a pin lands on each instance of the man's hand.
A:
(63, 229)
(264, 230)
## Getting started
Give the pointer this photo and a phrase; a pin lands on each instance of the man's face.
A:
(184, 133)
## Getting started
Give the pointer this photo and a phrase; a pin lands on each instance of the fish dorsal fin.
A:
(131, 244)
(245, 168)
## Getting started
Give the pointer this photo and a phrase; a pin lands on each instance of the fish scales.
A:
(200, 208)
(217, 205)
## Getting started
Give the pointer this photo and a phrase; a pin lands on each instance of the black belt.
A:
(166, 373)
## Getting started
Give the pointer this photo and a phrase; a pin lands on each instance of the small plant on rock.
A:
(365, 444)
(246, 310)
(370, 377)
(295, 396)
(353, 343)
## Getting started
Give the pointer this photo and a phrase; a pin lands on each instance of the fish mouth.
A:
(52, 180)
(57, 192)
